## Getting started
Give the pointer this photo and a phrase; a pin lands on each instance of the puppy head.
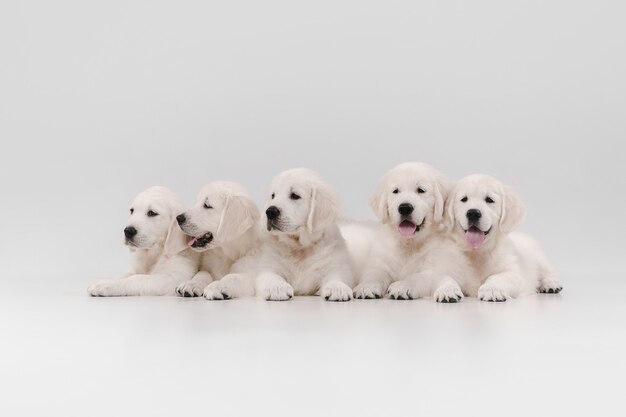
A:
(152, 215)
(223, 212)
(410, 199)
(300, 201)
(480, 208)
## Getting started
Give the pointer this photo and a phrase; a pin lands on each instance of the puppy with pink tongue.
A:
(494, 263)
(409, 251)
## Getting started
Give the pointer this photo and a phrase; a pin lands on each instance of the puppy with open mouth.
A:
(410, 250)
(303, 252)
(495, 263)
(222, 228)
(151, 228)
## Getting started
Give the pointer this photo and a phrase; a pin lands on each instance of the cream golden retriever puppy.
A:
(495, 264)
(151, 227)
(410, 249)
(222, 227)
(303, 252)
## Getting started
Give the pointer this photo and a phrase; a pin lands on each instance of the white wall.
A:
(99, 100)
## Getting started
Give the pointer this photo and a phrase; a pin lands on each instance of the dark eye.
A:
(420, 190)
(489, 200)
(132, 211)
(206, 206)
(464, 199)
(395, 191)
(273, 195)
(294, 196)
(152, 213)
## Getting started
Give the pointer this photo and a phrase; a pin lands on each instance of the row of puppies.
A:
(433, 241)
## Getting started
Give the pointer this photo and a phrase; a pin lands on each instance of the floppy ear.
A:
(240, 213)
(512, 210)
(378, 202)
(448, 209)
(324, 209)
(176, 240)
(441, 193)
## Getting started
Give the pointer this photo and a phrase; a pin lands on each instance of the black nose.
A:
(129, 232)
(272, 212)
(405, 209)
(473, 215)
(181, 219)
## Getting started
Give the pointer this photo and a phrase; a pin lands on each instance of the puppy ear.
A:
(378, 202)
(324, 209)
(512, 210)
(448, 209)
(176, 240)
(240, 213)
(441, 193)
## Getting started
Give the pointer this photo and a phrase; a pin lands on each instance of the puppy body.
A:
(303, 252)
(495, 263)
(152, 271)
(410, 246)
(223, 227)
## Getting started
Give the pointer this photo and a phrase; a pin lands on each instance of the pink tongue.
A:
(474, 238)
(406, 228)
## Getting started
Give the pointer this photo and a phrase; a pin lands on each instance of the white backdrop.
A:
(101, 99)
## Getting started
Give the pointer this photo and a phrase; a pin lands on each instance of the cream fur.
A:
(303, 252)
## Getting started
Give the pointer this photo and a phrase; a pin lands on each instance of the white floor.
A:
(64, 353)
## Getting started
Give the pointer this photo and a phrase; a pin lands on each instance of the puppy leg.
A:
(374, 283)
(447, 291)
(548, 282)
(231, 286)
(335, 290)
(138, 284)
(273, 287)
(414, 286)
(500, 287)
(195, 286)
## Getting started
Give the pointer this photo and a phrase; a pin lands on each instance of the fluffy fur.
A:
(410, 247)
(494, 264)
(304, 252)
(151, 227)
(221, 226)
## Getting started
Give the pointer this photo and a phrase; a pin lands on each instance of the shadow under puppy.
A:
(151, 227)
(494, 263)
(222, 226)
(409, 251)
(303, 252)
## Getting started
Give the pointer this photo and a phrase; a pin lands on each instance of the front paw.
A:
(399, 290)
(189, 289)
(368, 291)
(550, 286)
(217, 291)
(492, 293)
(278, 292)
(336, 291)
(108, 288)
(449, 293)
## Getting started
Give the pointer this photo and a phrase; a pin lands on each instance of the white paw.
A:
(399, 290)
(189, 289)
(278, 292)
(336, 291)
(550, 286)
(489, 292)
(108, 288)
(217, 291)
(448, 293)
(368, 291)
